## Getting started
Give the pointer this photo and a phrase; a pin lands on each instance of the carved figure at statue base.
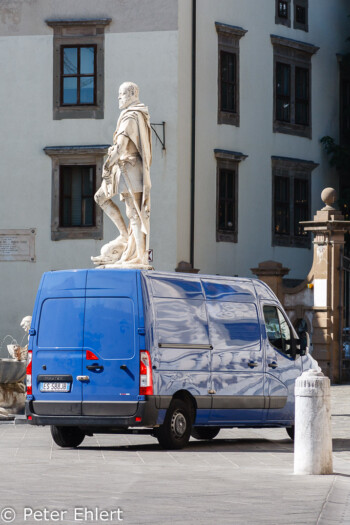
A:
(126, 173)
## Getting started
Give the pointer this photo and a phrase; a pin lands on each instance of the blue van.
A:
(173, 355)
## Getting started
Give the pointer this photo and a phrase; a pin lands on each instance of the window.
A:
(282, 15)
(227, 195)
(301, 15)
(77, 189)
(228, 82)
(292, 86)
(78, 68)
(76, 175)
(228, 73)
(344, 109)
(277, 329)
(291, 201)
(78, 75)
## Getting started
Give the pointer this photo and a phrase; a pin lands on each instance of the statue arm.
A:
(117, 151)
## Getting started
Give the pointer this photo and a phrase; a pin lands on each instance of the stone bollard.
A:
(313, 435)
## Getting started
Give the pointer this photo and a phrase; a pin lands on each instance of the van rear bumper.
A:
(146, 411)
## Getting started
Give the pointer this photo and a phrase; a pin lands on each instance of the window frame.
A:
(228, 161)
(63, 196)
(291, 169)
(286, 21)
(296, 55)
(290, 326)
(78, 76)
(78, 33)
(228, 42)
(75, 156)
(303, 26)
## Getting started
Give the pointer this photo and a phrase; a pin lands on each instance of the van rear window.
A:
(61, 323)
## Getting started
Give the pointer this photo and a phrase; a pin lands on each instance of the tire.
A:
(67, 437)
(175, 432)
(205, 432)
(290, 432)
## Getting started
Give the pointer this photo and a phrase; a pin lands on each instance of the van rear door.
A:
(58, 344)
(111, 343)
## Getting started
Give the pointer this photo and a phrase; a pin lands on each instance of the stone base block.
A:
(12, 397)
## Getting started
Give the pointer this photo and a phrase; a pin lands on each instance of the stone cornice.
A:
(224, 154)
(295, 163)
(77, 150)
(234, 31)
(78, 22)
(310, 49)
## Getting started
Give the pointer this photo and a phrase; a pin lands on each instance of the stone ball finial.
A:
(329, 196)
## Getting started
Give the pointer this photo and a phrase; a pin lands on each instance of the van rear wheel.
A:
(175, 432)
(205, 432)
(67, 437)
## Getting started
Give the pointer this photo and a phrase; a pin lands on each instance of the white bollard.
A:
(313, 434)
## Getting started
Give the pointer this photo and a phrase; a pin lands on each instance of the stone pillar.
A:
(313, 432)
(328, 228)
(272, 272)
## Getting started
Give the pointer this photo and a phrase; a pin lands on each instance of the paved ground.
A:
(241, 477)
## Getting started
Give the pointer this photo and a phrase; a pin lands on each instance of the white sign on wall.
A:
(320, 292)
(17, 245)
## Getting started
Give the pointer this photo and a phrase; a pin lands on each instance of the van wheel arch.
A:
(188, 398)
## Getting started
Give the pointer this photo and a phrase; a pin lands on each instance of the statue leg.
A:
(113, 250)
(112, 211)
(139, 236)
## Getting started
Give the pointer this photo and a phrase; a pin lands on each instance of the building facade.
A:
(239, 92)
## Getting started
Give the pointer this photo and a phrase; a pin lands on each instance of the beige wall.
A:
(328, 29)
(27, 17)
(149, 58)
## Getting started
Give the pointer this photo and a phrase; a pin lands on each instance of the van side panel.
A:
(237, 364)
(179, 342)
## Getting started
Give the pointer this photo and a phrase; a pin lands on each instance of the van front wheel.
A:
(175, 432)
(67, 437)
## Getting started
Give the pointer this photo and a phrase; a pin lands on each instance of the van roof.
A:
(77, 278)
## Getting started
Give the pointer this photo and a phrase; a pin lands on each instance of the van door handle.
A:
(273, 364)
(95, 367)
(252, 364)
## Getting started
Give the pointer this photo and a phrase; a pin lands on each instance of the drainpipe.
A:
(193, 131)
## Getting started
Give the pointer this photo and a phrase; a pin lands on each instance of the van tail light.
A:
(146, 379)
(29, 373)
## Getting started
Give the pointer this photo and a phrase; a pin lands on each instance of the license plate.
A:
(54, 387)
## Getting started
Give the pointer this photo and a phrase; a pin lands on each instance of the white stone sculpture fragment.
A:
(20, 352)
(126, 173)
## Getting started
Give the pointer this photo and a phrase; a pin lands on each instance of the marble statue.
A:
(126, 173)
(19, 352)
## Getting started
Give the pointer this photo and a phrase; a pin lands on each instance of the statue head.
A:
(26, 322)
(128, 94)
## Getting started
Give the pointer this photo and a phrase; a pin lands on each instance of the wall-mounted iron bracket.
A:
(153, 126)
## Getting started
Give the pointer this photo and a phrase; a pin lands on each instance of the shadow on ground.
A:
(217, 445)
